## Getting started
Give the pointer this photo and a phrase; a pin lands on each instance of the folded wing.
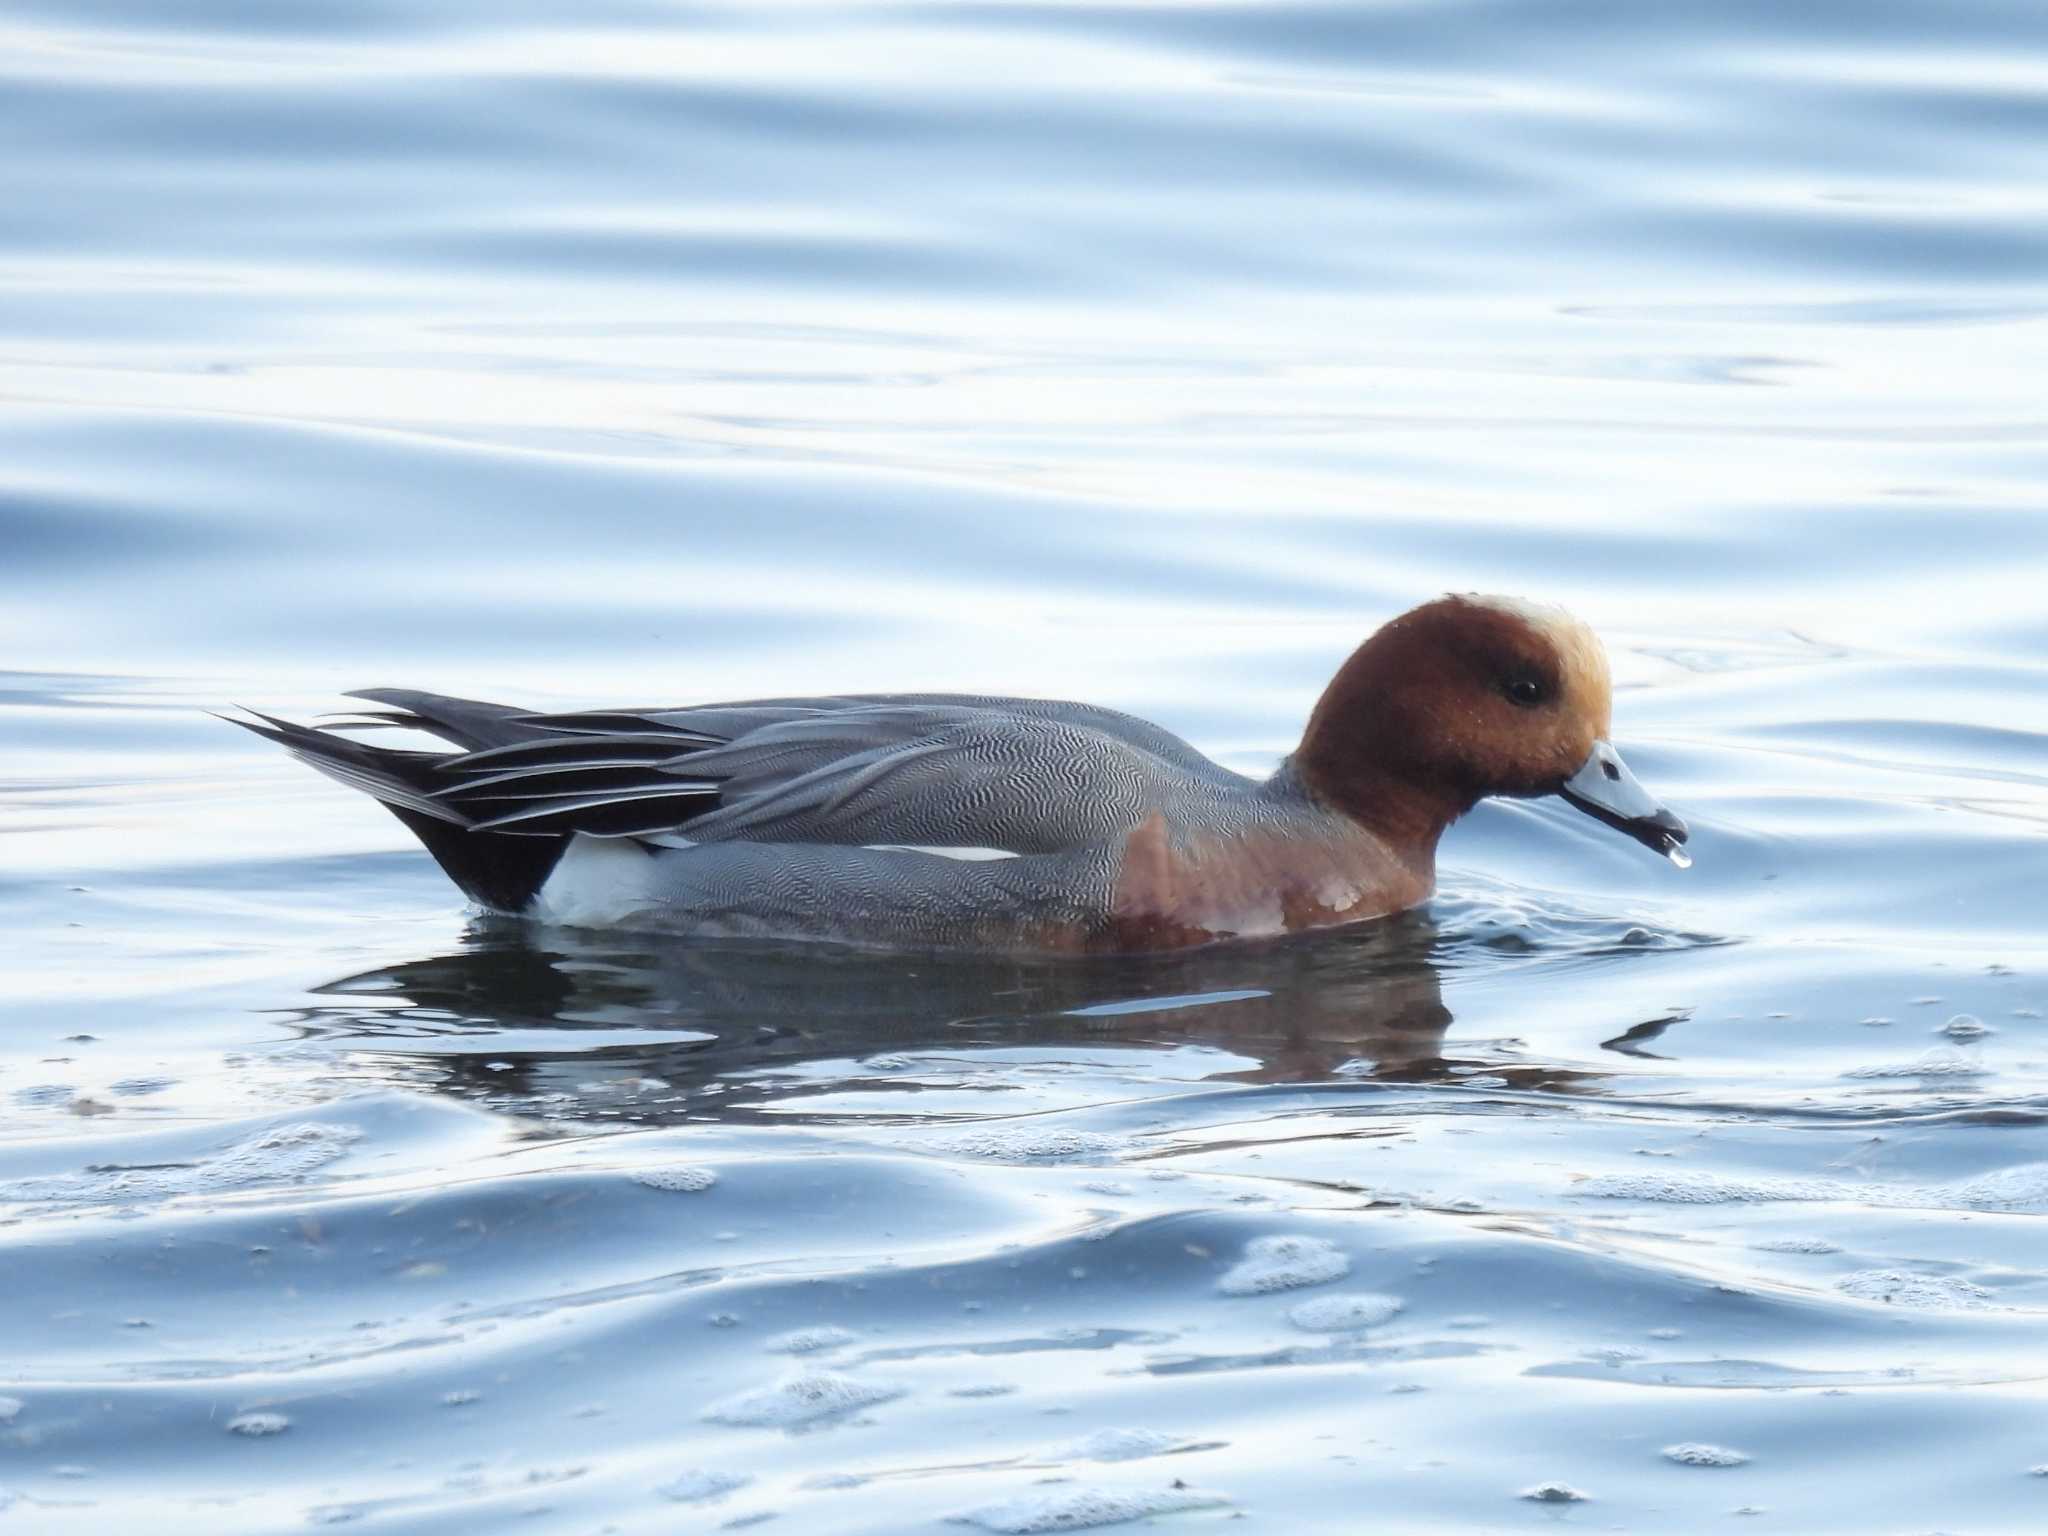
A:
(933, 770)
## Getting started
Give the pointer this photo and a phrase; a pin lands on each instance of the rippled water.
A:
(1149, 354)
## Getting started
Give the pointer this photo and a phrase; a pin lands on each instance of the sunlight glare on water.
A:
(1150, 354)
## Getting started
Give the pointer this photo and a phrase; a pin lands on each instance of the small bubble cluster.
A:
(802, 1400)
(1695, 1453)
(1555, 1493)
(680, 1180)
(1343, 1314)
(1081, 1509)
(257, 1425)
(1284, 1263)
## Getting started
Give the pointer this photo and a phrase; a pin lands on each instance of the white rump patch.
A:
(598, 881)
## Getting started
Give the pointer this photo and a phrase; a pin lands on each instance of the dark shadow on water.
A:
(537, 1018)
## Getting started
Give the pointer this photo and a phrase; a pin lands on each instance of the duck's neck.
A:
(1354, 759)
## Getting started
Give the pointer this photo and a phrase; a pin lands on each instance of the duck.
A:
(972, 822)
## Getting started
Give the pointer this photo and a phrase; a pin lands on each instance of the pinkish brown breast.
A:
(1255, 883)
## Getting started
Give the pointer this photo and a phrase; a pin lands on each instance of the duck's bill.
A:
(1604, 789)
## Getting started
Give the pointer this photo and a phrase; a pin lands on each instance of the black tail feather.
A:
(501, 870)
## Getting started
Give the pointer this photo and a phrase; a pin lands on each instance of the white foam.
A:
(1343, 1314)
(1081, 1509)
(698, 1485)
(802, 1400)
(1284, 1263)
(1903, 1288)
(681, 1180)
(1695, 1453)
(10, 1409)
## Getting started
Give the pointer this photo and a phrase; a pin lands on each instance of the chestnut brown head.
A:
(1472, 696)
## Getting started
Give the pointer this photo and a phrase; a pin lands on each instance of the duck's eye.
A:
(1525, 691)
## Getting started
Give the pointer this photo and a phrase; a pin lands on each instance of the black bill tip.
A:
(1660, 831)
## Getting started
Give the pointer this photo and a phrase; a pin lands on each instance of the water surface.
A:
(1147, 354)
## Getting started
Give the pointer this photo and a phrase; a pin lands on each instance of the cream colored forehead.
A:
(1582, 658)
(1585, 663)
(1544, 616)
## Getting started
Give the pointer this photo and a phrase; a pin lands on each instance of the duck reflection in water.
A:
(773, 1020)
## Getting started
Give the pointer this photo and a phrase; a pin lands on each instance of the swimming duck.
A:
(961, 821)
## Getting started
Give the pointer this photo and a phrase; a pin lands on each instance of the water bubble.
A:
(1554, 1493)
(1942, 1061)
(1695, 1453)
(1616, 1355)
(809, 1341)
(1343, 1314)
(1124, 1445)
(257, 1425)
(802, 1400)
(1965, 1026)
(1080, 1509)
(697, 1486)
(1814, 1245)
(1034, 1144)
(1902, 1288)
(280, 1152)
(681, 1180)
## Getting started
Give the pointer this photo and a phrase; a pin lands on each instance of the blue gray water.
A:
(1149, 354)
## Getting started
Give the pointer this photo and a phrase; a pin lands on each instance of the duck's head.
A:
(1472, 696)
